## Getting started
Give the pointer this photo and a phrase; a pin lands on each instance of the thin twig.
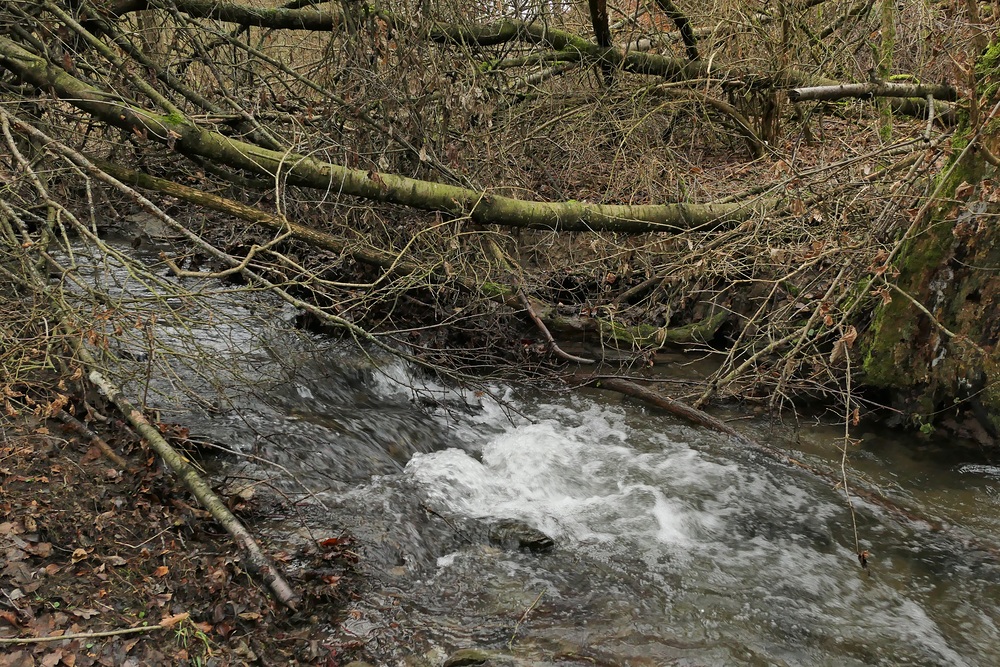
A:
(82, 635)
(558, 351)
(81, 429)
(943, 329)
(843, 461)
(524, 616)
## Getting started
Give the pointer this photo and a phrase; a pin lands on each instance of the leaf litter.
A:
(115, 567)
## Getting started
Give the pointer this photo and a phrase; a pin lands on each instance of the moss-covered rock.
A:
(948, 266)
(514, 534)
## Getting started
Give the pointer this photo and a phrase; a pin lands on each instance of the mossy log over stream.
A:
(188, 138)
(637, 336)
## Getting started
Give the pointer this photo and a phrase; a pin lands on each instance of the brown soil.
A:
(88, 548)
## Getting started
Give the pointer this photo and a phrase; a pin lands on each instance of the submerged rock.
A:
(514, 534)
(469, 657)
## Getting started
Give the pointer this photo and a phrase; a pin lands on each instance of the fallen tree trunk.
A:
(909, 106)
(683, 24)
(183, 135)
(441, 32)
(507, 30)
(676, 408)
(258, 562)
(34, 279)
(641, 335)
(303, 18)
(868, 90)
(693, 332)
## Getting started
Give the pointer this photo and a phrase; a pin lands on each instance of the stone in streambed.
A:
(470, 657)
(514, 534)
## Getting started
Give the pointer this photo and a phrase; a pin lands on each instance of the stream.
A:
(673, 545)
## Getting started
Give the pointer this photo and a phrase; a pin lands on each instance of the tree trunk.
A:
(934, 344)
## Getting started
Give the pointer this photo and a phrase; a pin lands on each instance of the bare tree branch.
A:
(869, 90)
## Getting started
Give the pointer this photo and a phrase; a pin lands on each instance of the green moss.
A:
(893, 329)
(494, 289)
(988, 69)
(856, 294)
(647, 335)
(990, 400)
(900, 341)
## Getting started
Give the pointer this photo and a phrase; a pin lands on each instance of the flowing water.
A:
(674, 545)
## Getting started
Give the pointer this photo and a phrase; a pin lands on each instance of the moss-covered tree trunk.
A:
(934, 346)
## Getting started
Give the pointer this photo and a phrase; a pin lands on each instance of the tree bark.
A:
(642, 335)
(306, 18)
(507, 30)
(599, 21)
(602, 33)
(259, 563)
(868, 90)
(933, 343)
(683, 24)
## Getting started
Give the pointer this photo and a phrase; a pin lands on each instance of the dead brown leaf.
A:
(51, 659)
(17, 659)
(850, 335)
(171, 621)
(42, 549)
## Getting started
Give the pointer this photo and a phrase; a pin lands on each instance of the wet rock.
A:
(467, 657)
(144, 224)
(514, 534)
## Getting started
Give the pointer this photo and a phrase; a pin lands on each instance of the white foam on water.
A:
(447, 559)
(575, 477)
(591, 480)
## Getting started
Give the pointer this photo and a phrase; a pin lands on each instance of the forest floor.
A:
(119, 567)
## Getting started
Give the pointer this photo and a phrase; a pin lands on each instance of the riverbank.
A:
(656, 525)
(111, 566)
